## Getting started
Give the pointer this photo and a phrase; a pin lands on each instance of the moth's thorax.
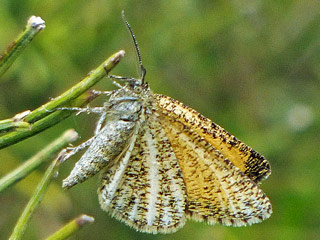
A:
(131, 102)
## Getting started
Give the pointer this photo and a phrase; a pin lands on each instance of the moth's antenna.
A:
(142, 69)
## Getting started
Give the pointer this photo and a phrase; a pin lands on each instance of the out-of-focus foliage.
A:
(250, 66)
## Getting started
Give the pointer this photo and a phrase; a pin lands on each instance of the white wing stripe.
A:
(153, 165)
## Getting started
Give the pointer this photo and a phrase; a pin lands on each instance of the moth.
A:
(162, 162)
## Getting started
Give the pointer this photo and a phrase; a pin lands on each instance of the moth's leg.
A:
(117, 84)
(114, 82)
(100, 122)
(96, 92)
(98, 110)
(73, 150)
(126, 79)
(130, 80)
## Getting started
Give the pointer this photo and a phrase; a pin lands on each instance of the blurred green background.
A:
(250, 66)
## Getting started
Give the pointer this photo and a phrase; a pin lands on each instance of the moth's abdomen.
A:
(109, 143)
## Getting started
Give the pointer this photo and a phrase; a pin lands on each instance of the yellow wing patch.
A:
(250, 162)
(217, 191)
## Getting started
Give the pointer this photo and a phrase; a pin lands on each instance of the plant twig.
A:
(33, 27)
(16, 123)
(74, 92)
(9, 125)
(33, 163)
(71, 227)
(56, 117)
(36, 199)
(39, 116)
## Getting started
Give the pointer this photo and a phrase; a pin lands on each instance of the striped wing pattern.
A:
(144, 187)
(217, 191)
(250, 162)
(179, 164)
(220, 172)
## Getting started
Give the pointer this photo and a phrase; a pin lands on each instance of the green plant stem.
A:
(33, 163)
(71, 227)
(35, 199)
(39, 119)
(9, 125)
(56, 117)
(33, 27)
(74, 92)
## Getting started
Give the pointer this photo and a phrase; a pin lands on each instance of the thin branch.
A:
(71, 228)
(47, 122)
(33, 163)
(74, 92)
(36, 198)
(39, 117)
(10, 125)
(16, 123)
(33, 27)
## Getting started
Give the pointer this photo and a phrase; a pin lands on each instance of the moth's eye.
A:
(138, 89)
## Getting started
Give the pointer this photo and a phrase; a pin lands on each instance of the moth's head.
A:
(139, 89)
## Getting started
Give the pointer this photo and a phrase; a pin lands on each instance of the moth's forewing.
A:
(217, 190)
(250, 162)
